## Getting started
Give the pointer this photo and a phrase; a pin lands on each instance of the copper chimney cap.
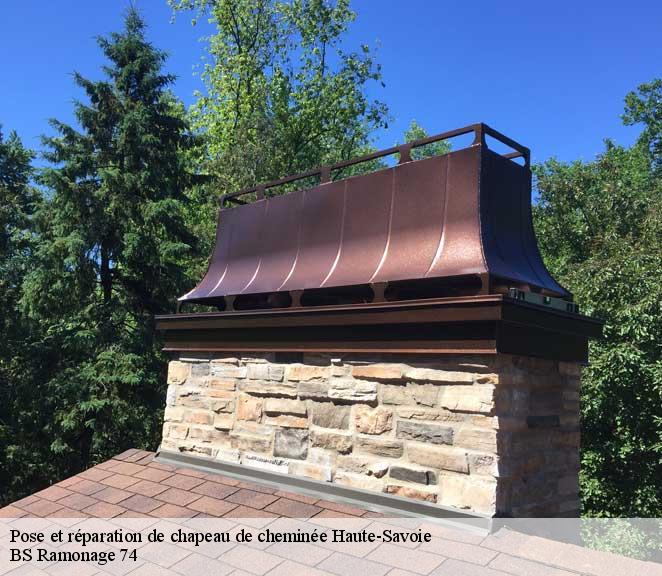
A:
(456, 224)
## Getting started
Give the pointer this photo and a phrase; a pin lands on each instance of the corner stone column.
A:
(490, 434)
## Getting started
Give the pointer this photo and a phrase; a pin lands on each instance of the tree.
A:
(600, 232)
(417, 132)
(282, 95)
(21, 417)
(113, 252)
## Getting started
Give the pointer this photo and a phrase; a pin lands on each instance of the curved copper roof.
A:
(459, 219)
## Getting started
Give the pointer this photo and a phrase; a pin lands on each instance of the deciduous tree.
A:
(600, 230)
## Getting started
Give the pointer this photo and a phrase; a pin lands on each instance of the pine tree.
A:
(21, 465)
(113, 253)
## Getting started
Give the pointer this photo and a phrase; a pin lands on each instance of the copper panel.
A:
(461, 251)
(365, 235)
(462, 217)
(279, 242)
(244, 250)
(321, 236)
(416, 219)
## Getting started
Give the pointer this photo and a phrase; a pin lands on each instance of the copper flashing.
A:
(458, 224)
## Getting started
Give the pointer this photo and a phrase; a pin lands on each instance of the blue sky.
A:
(552, 75)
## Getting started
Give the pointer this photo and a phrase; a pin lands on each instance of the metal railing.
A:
(479, 130)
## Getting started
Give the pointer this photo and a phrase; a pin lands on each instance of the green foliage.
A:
(282, 95)
(633, 537)
(644, 106)
(599, 228)
(21, 467)
(112, 251)
(417, 132)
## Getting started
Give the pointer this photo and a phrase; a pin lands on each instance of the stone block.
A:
(341, 443)
(424, 394)
(570, 369)
(192, 398)
(249, 436)
(395, 394)
(250, 442)
(468, 494)
(363, 465)
(197, 449)
(198, 417)
(228, 455)
(287, 421)
(171, 395)
(543, 421)
(265, 388)
(380, 372)
(174, 414)
(379, 446)
(413, 475)
(275, 406)
(265, 463)
(475, 438)
(313, 390)
(372, 420)
(178, 372)
(226, 360)
(513, 401)
(271, 372)
(477, 398)
(200, 370)
(439, 457)
(223, 405)
(249, 408)
(568, 485)
(290, 443)
(223, 421)
(301, 372)
(201, 434)
(314, 471)
(482, 464)
(420, 413)
(352, 390)
(439, 376)
(226, 370)
(359, 481)
(330, 415)
(410, 492)
(322, 456)
(412, 393)
(177, 431)
(221, 383)
(261, 357)
(420, 432)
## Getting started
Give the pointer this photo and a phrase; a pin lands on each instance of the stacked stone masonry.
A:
(495, 435)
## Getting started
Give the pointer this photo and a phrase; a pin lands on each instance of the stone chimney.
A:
(392, 337)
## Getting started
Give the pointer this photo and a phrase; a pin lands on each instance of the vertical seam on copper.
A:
(259, 262)
(388, 230)
(342, 236)
(442, 239)
(296, 256)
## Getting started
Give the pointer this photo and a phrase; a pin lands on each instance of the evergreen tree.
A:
(600, 231)
(21, 417)
(112, 253)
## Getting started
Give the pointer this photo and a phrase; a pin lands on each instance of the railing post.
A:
(405, 153)
(479, 134)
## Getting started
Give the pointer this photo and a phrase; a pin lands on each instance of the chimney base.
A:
(486, 434)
